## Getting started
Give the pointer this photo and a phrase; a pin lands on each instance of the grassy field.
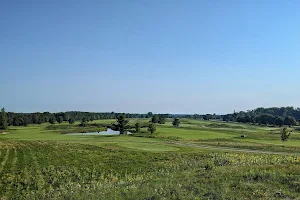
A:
(199, 160)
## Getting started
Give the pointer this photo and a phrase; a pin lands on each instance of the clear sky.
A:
(187, 56)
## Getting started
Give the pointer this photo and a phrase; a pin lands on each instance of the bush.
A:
(151, 128)
(209, 166)
(285, 134)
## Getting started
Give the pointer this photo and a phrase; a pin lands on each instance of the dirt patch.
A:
(3, 133)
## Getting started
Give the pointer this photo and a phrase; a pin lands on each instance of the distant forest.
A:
(23, 119)
(271, 116)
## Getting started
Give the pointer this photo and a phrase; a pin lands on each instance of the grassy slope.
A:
(59, 170)
(209, 132)
(38, 163)
(192, 130)
(40, 132)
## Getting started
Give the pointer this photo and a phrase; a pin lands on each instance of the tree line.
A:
(272, 116)
(23, 119)
(268, 116)
(122, 124)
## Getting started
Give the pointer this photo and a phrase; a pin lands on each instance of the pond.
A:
(107, 132)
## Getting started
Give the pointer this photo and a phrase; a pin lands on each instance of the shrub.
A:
(209, 166)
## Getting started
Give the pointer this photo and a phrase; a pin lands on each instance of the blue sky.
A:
(137, 56)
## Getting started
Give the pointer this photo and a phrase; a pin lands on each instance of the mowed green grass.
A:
(39, 132)
(212, 130)
(187, 133)
(190, 130)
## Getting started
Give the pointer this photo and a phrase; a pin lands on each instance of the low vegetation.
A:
(267, 116)
(3, 120)
(164, 158)
(151, 128)
(285, 134)
(55, 170)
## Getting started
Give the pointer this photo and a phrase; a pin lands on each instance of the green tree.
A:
(46, 119)
(83, 122)
(207, 117)
(155, 119)
(151, 128)
(18, 121)
(137, 127)
(122, 124)
(149, 115)
(66, 117)
(285, 134)
(176, 122)
(41, 120)
(71, 121)
(161, 120)
(52, 119)
(10, 121)
(290, 121)
(3, 120)
(25, 122)
(60, 119)
(279, 121)
(35, 118)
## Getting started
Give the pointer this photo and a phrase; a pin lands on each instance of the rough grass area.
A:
(55, 170)
(198, 160)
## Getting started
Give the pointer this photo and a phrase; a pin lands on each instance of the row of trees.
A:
(23, 119)
(122, 124)
(277, 116)
(161, 119)
(3, 120)
(272, 116)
